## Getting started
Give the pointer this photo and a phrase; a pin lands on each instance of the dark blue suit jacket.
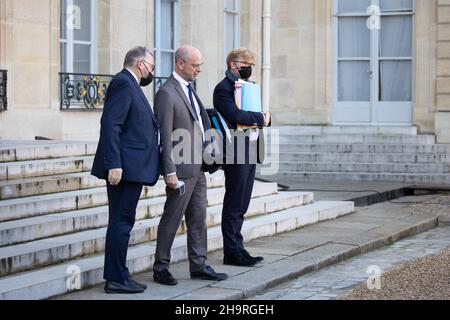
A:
(225, 103)
(129, 134)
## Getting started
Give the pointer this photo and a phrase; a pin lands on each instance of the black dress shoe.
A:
(256, 259)
(137, 284)
(126, 288)
(238, 260)
(164, 277)
(208, 273)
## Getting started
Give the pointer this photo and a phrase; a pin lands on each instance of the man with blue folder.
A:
(240, 167)
(251, 97)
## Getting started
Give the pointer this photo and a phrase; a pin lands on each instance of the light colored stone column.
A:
(266, 54)
(443, 72)
(323, 64)
(424, 106)
(301, 62)
(251, 32)
(29, 51)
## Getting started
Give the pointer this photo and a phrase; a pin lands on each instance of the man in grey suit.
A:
(181, 113)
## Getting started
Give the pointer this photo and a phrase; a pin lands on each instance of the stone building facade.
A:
(331, 62)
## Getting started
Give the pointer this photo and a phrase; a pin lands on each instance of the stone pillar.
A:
(29, 38)
(424, 44)
(251, 32)
(302, 64)
(443, 72)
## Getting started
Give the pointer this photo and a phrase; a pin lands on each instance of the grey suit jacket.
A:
(172, 109)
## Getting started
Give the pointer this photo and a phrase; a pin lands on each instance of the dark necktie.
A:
(191, 98)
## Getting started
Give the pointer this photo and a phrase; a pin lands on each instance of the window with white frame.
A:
(374, 61)
(232, 25)
(166, 35)
(77, 38)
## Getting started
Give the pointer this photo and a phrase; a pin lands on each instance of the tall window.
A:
(77, 38)
(166, 35)
(232, 25)
(374, 61)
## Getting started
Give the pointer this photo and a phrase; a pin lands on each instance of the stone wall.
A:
(29, 37)
(29, 50)
(443, 72)
(424, 74)
(302, 59)
(301, 62)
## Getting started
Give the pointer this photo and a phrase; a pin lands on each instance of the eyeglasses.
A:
(195, 66)
(152, 67)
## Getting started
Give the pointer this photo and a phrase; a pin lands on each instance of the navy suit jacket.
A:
(225, 103)
(129, 134)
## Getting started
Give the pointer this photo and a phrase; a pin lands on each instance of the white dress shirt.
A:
(134, 76)
(184, 85)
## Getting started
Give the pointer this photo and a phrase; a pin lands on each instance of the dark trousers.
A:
(123, 200)
(239, 182)
(193, 206)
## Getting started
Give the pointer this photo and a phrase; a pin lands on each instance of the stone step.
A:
(77, 200)
(46, 252)
(13, 189)
(353, 139)
(367, 130)
(360, 148)
(30, 229)
(11, 151)
(364, 167)
(404, 178)
(365, 158)
(52, 281)
(42, 168)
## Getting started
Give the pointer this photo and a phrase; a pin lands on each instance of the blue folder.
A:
(251, 97)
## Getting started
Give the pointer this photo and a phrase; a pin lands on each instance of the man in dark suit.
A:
(240, 167)
(127, 158)
(181, 114)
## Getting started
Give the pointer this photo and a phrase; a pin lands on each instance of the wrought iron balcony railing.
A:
(3, 90)
(83, 91)
(86, 92)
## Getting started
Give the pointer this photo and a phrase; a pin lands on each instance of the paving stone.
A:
(298, 295)
(210, 293)
(385, 258)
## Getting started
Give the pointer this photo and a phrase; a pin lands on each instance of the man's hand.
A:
(115, 176)
(172, 181)
(267, 119)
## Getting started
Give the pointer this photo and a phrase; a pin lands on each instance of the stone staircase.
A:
(53, 218)
(390, 154)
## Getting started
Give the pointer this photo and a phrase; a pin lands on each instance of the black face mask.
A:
(145, 81)
(246, 72)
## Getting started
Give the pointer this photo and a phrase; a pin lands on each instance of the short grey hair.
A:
(134, 55)
(183, 54)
